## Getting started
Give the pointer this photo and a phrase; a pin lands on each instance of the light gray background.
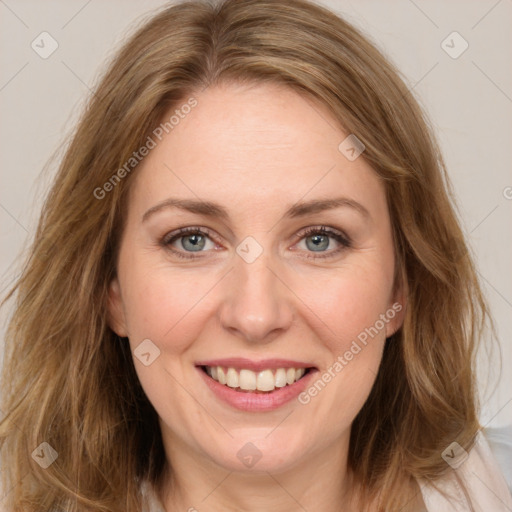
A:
(468, 99)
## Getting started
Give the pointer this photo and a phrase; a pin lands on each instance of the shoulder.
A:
(476, 480)
(151, 501)
(500, 443)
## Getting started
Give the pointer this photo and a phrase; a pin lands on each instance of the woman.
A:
(317, 355)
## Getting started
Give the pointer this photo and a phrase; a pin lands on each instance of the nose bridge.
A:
(256, 305)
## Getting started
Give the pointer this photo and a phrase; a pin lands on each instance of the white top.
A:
(481, 474)
(483, 478)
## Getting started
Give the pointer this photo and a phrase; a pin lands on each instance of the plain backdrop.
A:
(468, 98)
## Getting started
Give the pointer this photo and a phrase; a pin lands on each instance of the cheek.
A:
(351, 309)
(347, 303)
(166, 305)
(347, 322)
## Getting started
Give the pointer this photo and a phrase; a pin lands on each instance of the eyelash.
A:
(315, 230)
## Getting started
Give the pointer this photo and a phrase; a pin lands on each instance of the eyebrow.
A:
(301, 209)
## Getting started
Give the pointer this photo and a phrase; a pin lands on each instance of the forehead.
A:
(252, 146)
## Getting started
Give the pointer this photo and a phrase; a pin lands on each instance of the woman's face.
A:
(249, 288)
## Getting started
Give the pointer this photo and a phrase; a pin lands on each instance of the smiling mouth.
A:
(248, 381)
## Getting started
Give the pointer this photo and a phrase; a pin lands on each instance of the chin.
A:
(258, 454)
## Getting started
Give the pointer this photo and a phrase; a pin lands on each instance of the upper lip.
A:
(256, 366)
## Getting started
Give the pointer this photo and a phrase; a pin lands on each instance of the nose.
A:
(257, 304)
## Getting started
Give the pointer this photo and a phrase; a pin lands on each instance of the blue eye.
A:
(320, 239)
(194, 240)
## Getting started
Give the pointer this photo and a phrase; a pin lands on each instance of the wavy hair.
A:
(69, 381)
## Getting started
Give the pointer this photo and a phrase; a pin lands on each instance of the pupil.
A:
(196, 243)
(318, 241)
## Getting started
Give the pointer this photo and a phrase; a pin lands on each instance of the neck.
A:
(318, 482)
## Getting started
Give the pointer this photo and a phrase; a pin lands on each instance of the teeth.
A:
(266, 380)
(232, 378)
(247, 380)
(281, 378)
(221, 375)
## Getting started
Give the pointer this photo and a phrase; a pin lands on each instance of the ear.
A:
(116, 316)
(397, 305)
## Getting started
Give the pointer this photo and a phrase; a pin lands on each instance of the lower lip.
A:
(257, 402)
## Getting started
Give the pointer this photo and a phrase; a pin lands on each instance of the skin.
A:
(255, 150)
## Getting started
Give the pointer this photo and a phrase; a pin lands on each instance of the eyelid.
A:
(322, 229)
(188, 229)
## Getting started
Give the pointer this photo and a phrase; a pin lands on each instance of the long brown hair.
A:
(69, 381)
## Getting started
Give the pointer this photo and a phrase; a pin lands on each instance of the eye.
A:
(194, 240)
(319, 237)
